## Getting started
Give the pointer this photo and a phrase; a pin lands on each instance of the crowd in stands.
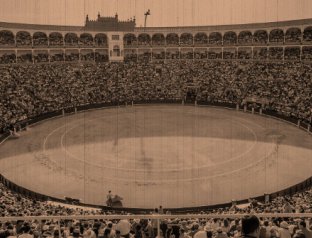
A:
(24, 57)
(8, 58)
(292, 53)
(14, 204)
(30, 90)
(275, 53)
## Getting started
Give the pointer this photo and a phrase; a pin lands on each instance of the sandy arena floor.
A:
(175, 156)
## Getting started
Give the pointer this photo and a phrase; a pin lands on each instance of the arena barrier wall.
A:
(158, 217)
(274, 114)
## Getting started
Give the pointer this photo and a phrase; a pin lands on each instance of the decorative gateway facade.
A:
(108, 39)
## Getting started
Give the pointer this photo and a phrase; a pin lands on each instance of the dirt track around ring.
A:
(177, 156)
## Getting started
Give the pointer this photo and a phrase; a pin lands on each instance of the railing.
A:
(156, 216)
(230, 105)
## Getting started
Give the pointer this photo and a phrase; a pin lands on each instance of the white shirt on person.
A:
(284, 233)
(123, 226)
(25, 235)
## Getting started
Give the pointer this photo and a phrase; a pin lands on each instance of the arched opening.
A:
(56, 39)
(260, 37)
(144, 40)
(186, 39)
(245, 38)
(307, 34)
(158, 39)
(7, 38)
(130, 40)
(116, 51)
(276, 36)
(172, 39)
(40, 39)
(215, 38)
(23, 39)
(71, 40)
(86, 40)
(293, 35)
(100, 40)
(229, 38)
(201, 38)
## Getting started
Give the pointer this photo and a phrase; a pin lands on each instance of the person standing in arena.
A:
(109, 198)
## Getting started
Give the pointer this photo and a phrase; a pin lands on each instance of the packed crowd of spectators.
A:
(8, 58)
(30, 90)
(306, 53)
(275, 53)
(41, 56)
(229, 53)
(292, 53)
(14, 204)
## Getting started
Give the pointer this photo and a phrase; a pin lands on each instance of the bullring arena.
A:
(195, 128)
(174, 155)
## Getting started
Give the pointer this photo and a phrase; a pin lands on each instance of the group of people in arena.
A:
(31, 90)
(14, 204)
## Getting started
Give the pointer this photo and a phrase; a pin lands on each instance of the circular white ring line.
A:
(155, 110)
(168, 170)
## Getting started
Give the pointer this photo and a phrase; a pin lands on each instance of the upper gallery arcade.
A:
(117, 37)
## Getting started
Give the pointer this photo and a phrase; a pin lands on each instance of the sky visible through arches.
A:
(163, 12)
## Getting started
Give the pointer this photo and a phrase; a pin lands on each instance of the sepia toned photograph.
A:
(155, 118)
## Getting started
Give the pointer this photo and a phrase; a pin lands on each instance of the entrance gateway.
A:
(116, 47)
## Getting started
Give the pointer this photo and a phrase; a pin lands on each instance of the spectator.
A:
(303, 227)
(250, 226)
(220, 233)
(283, 231)
(26, 232)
